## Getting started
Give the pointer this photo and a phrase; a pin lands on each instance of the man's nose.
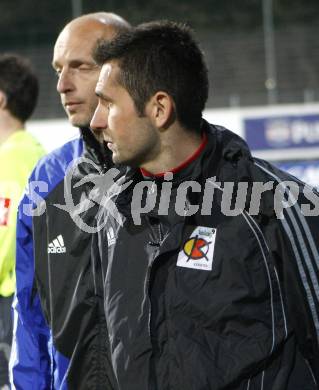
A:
(99, 119)
(64, 83)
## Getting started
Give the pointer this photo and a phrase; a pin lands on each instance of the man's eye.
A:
(57, 72)
(86, 67)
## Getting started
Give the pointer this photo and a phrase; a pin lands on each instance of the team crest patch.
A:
(198, 250)
(4, 211)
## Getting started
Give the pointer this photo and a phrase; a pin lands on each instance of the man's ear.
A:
(162, 109)
(3, 100)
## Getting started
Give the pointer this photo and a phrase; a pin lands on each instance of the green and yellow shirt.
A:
(18, 156)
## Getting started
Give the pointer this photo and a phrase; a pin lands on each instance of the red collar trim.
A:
(183, 165)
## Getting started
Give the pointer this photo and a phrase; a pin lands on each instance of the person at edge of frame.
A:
(19, 152)
(196, 299)
(59, 325)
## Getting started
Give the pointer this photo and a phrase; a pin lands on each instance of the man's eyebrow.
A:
(75, 63)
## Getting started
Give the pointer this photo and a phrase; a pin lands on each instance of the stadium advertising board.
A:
(282, 132)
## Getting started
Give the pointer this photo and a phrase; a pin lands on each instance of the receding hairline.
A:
(98, 25)
(107, 19)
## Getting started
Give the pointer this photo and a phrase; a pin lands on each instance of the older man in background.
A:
(60, 329)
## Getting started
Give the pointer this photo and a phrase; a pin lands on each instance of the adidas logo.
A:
(57, 245)
(110, 236)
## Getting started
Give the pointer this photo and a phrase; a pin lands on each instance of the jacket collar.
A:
(94, 150)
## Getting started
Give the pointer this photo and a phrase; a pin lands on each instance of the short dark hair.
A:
(160, 56)
(20, 85)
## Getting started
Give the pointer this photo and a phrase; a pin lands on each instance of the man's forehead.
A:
(87, 31)
(107, 80)
(108, 73)
(107, 69)
(73, 49)
(71, 41)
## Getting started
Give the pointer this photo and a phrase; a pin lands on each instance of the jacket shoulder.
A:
(52, 167)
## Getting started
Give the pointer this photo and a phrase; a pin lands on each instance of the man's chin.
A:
(77, 121)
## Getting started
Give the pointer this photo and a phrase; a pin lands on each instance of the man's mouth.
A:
(108, 142)
(70, 106)
(109, 145)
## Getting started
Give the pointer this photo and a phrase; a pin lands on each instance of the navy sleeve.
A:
(30, 363)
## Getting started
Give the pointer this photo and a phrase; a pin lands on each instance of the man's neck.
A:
(177, 146)
(8, 126)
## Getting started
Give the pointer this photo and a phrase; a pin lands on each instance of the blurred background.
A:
(263, 58)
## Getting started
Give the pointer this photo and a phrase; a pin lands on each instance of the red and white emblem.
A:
(4, 211)
(198, 250)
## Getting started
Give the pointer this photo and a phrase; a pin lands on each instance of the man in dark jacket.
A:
(209, 256)
(59, 325)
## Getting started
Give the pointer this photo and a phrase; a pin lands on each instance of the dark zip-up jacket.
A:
(208, 301)
(60, 332)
